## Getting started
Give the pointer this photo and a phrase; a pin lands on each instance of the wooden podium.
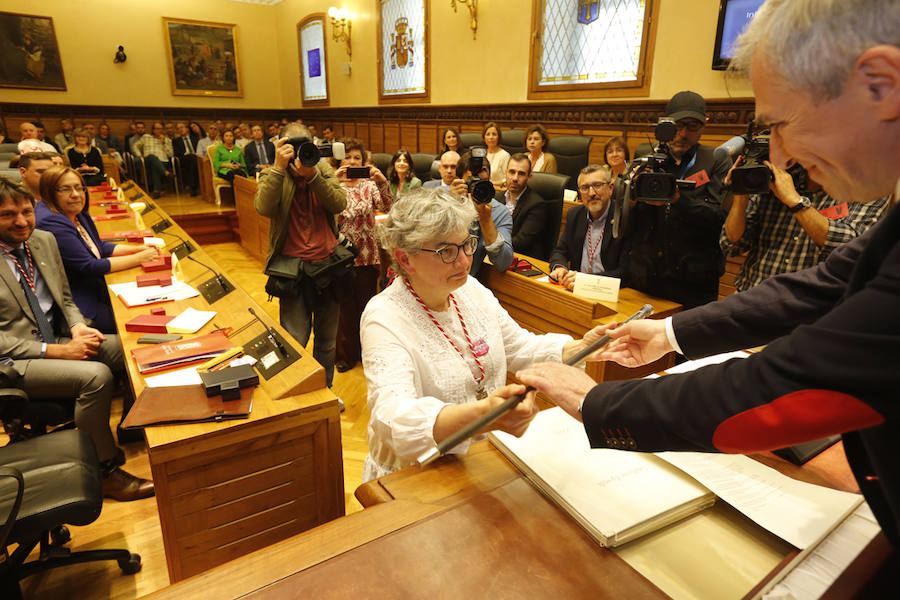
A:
(225, 489)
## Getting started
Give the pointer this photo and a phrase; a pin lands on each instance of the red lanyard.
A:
(479, 381)
(28, 278)
(592, 248)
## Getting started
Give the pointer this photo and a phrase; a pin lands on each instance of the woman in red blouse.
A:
(365, 196)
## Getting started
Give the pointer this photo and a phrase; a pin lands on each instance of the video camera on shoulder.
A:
(647, 179)
(753, 176)
(309, 154)
(481, 190)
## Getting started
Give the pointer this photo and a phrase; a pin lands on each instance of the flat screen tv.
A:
(734, 15)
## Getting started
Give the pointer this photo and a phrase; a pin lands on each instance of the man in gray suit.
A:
(43, 336)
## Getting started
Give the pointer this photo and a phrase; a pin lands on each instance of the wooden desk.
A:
(226, 489)
(204, 172)
(471, 526)
(545, 307)
(253, 227)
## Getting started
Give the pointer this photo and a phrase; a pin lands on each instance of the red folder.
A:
(181, 353)
(149, 323)
(131, 236)
(162, 263)
(148, 280)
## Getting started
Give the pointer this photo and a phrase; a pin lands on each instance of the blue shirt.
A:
(501, 251)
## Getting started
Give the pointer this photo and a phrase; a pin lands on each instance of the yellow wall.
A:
(88, 32)
(491, 68)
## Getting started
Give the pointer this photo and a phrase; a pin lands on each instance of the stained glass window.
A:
(586, 43)
(403, 59)
(312, 59)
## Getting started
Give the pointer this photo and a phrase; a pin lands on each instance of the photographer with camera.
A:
(302, 201)
(674, 239)
(367, 191)
(792, 227)
(494, 224)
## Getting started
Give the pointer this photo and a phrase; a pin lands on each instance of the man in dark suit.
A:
(587, 244)
(832, 331)
(532, 214)
(44, 338)
(259, 154)
(184, 145)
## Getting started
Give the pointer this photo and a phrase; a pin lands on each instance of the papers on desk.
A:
(797, 512)
(616, 496)
(190, 321)
(597, 287)
(715, 359)
(131, 295)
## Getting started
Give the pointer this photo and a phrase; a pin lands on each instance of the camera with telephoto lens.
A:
(646, 179)
(753, 176)
(309, 154)
(481, 190)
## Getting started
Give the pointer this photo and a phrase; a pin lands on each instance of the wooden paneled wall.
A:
(418, 128)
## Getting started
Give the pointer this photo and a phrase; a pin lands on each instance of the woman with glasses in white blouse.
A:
(436, 344)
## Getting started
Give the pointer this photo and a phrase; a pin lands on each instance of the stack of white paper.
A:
(132, 295)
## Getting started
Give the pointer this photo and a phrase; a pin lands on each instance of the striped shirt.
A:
(149, 145)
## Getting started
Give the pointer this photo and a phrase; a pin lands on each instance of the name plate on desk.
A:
(597, 287)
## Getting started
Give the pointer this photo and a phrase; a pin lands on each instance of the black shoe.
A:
(342, 367)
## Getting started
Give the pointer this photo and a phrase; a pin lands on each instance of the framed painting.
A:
(313, 76)
(403, 51)
(30, 53)
(203, 58)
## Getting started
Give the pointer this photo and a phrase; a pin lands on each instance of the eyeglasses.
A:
(450, 252)
(689, 125)
(598, 187)
(68, 189)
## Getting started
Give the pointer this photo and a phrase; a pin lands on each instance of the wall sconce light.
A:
(340, 26)
(472, 5)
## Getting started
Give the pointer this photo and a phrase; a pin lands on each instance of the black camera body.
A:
(753, 176)
(481, 190)
(309, 154)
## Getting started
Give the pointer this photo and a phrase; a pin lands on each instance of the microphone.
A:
(474, 427)
(214, 288)
(270, 333)
(181, 250)
(731, 148)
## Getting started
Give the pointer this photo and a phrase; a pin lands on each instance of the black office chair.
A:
(572, 155)
(513, 140)
(25, 418)
(469, 139)
(422, 165)
(45, 483)
(382, 161)
(550, 187)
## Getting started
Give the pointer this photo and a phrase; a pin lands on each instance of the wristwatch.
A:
(802, 205)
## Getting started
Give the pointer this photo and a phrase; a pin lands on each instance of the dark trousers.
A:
(190, 178)
(156, 170)
(364, 287)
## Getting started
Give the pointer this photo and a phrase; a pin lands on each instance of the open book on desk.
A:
(616, 496)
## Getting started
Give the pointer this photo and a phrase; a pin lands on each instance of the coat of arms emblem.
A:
(588, 11)
(401, 44)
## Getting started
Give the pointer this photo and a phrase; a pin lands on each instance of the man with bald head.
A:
(29, 140)
(447, 169)
(818, 67)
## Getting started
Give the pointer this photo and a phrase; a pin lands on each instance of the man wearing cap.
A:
(675, 250)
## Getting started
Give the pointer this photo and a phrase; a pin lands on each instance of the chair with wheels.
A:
(24, 418)
(46, 483)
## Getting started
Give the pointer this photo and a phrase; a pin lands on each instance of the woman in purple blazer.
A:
(86, 257)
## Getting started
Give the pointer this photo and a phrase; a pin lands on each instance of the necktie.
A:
(187, 144)
(263, 159)
(44, 327)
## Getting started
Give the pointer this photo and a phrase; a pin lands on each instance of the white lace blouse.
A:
(412, 372)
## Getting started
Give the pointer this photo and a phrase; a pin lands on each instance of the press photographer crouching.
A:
(494, 224)
(782, 218)
(309, 270)
(674, 230)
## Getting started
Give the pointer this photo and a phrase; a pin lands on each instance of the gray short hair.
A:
(594, 168)
(296, 129)
(813, 44)
(424, 216)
